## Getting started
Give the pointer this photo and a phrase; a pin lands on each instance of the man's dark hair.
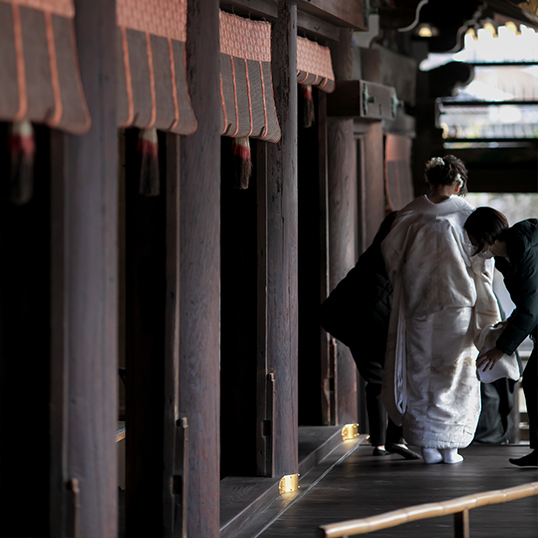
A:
(486, 225)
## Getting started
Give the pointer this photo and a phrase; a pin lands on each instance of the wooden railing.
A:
(459, 507)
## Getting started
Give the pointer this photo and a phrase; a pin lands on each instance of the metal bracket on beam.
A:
(367, 99)
(179, 479)
(350, 431)
(73, 487)
(395, 104)
(289, 483)
(362, 99)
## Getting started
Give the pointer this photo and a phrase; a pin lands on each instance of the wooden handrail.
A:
(344, 529)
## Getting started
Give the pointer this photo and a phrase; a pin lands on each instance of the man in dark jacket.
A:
(516, 257)
(357, 313)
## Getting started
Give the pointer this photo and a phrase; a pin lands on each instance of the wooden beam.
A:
(398, 14)
(252, 8)
(360, 129)
(199, 394)
(282, 305)
(344, 13)
(362, 99)
(315, 27)
(313, 22)
(390, 69)
(328, 403)
(361, 184)
(343, 223)
(85, 310)
(374, 181)
(489, 167)
(175, 463)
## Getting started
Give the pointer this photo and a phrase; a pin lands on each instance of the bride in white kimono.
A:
(443, 297)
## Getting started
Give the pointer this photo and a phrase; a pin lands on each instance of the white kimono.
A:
(443, 298)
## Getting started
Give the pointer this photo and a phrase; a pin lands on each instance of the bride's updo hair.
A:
(446, 170)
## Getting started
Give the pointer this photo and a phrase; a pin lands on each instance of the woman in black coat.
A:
(516, 257)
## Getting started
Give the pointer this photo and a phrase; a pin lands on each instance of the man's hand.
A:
(489, 359)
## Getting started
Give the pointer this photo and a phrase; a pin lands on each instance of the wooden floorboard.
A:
(307, 481)
(242, 499)
(363, 485)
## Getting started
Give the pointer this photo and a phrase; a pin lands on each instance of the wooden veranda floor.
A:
(363, 485)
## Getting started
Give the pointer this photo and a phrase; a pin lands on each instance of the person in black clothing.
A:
(357, 313)
(516, 257)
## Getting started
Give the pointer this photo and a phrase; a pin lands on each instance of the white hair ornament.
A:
(434, 162)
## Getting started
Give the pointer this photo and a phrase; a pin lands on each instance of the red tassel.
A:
(149, 165)
(309, 116)
(22, 152)
(242, 162)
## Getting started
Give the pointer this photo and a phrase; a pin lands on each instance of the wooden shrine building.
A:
(183, 183)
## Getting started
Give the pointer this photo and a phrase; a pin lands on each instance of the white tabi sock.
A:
(450, 455)
(431, 455)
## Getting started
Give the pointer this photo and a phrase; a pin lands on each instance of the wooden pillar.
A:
(282, 305)
(84, 295)
(327, 357)
(374, 181)
(175, 434)
(199, 393)
(343, 224)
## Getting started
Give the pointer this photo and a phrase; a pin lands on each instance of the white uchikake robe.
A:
(443, 298)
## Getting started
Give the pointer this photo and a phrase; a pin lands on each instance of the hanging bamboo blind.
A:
(152, 80)
(314, 65)
(39, 73)
(248, 107)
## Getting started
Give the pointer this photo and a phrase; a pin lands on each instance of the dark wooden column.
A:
(199, 393)
(372, 178)
(374, 181)
(84, 295)
(343, 224)
(328, 396)
(175, 435)
(282, 305)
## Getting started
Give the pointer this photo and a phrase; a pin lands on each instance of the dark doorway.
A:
(239, 287)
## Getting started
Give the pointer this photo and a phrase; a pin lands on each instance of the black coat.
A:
(520, 273)
(357, 311)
